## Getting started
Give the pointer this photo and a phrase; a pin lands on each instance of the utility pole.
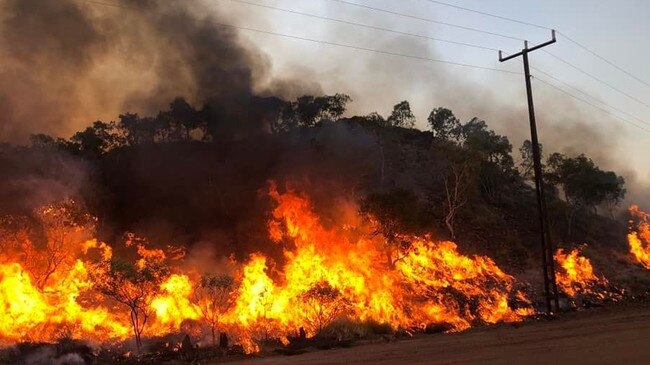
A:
(548, 262)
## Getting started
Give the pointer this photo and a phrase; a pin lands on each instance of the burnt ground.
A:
(608, 335)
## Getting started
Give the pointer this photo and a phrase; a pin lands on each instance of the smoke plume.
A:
(66, 63)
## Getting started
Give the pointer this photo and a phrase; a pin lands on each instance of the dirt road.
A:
(616, 335)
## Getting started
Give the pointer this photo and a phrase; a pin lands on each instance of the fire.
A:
(576, 275)
(639, 237)
(329, 271)
(29, 313)
(430, 284)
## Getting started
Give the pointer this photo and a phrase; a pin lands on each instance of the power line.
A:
(591, 104)
(587, 49)
(566, 84)
(428, 20)
(404, 55)
(604, 59)
(590, 96)
(359, 48)
(366, 26)
(435, 39)
(488, 14)
(597, 79)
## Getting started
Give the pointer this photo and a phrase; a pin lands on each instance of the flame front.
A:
(576, 275)
(326, 274)
(639, 237)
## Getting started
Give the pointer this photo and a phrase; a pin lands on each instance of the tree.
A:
(393, 213)
(184, 116)
(133, 285)
(444, 124)
(402, 116)
(527, 165)
(457, 181)
(42, 141)
(96, 139)
(491, 146)
(376, 118)
(584, 184)
(496, 167)
(213, 296)
(323, 303)
(308, 110)
(61, 228)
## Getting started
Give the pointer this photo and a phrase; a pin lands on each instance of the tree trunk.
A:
(448, 222)
(223, 340)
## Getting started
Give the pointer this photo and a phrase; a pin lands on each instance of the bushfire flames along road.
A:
(75, 286)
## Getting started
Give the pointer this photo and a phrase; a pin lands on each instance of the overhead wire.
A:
(359, 48)
(564, 35)
(418, 58)
(428, 20)
(604, 59)
(591, 104)
(598, 79)
(366, 25)
(488, 14)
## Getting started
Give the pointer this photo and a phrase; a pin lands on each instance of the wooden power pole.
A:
(550, 285)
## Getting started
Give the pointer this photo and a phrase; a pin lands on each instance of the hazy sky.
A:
(617, 30)
(64, 64)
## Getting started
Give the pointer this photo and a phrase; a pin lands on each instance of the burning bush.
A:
(326, 274)
(575, 275)
(639, 236)
(323, 304)
(133, 285)
(214, 298)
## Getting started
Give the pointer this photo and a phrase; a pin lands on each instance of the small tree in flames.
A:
(214, 297)
(134, 285)
(323, 304)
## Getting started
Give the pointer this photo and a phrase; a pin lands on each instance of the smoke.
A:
(66, 63)
(31, 178)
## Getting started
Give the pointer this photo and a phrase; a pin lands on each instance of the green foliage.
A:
(485, 142)
(444, 124)
(526, 166)
(402, 116)
(95, 140)
(308, 110)
(585, 184)
(376, 118)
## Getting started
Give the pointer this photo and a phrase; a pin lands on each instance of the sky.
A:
(64, 64)
(616, 30)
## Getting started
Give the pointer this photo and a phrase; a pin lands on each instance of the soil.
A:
(608, 335)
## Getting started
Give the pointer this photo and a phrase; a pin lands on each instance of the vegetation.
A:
(325, 304)
(201, 169)
(132, 284)
(213, 296)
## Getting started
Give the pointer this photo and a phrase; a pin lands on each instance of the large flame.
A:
(639, 237)
(575, 274)
(332, 271)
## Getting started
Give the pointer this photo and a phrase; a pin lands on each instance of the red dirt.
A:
(614, 335)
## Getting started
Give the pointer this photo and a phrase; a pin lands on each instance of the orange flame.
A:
(639, 237)
(576, 275)
(329, 271)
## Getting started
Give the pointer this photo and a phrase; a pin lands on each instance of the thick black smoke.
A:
(65, 63)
